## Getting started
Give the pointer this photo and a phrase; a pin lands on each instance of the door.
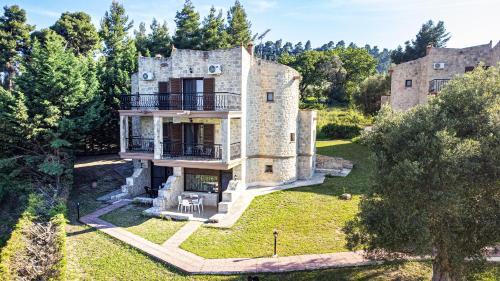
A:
(175, 96)
(175, 139)
(189, 94)
(159, 175)
(225, 178)
(191, 134)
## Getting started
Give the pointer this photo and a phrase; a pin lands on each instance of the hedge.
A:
(15, 247)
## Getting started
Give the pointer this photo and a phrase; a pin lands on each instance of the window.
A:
(292, 136)
(270, 96)
(201, 183)
(269, 169)
(408, 83)
(469, 68)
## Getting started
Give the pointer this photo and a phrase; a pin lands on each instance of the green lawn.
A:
(130, 218)
(308, 219)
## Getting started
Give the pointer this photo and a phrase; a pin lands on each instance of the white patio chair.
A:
(198, 205)
(186, 205)
(179, 203)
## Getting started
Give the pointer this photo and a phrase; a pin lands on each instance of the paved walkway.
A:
(170, 252)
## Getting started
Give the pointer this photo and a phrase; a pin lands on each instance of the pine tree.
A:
(238, 27)
(78, 31)
(119, 62)
(14, 41)
(159, 41)
(213, 31)
(308, 46)
(188, 33)
(141, 40)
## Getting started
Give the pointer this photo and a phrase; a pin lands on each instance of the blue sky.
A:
(385, 23)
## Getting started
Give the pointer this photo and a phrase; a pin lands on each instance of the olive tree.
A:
(436, 189)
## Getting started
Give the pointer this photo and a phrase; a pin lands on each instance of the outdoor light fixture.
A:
(275, 233)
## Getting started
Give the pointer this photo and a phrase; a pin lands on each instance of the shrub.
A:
(36, 249)
(341, 123)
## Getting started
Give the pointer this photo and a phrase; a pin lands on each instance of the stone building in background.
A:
(212, 123)
(413, 82)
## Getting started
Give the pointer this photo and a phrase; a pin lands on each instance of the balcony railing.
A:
(191, 151)
(140, 144)
(436, 85)
(235, 150)
(202, 101)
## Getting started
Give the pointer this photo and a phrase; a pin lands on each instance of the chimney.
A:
(250, 48)
(428, 49)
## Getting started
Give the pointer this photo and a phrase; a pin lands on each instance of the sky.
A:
(385, 23)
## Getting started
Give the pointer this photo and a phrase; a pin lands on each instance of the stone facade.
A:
(421, 72)
(277, 139)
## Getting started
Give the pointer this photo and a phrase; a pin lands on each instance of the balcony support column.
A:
(226, 139)
(123, 133)
(158, 136)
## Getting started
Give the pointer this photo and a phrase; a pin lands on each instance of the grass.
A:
(308, 219)
(130, 218)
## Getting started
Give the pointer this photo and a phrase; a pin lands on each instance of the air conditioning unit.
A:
(214, 69)
(438, 65)
(148, 76)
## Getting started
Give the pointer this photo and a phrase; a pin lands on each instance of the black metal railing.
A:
(436, 85)
(191, 150)
(201, 101)
(140, 144)
(235, 149)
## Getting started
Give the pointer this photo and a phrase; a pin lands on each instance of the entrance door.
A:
(159, 175)
(225, 178)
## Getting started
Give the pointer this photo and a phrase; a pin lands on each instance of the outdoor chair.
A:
(198, 205)
(179, 204)
(186, 206)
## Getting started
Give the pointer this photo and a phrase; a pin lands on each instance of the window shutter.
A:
(209, 94)
(163, 87)
(176, 138)
(208, 133)
(175, 93)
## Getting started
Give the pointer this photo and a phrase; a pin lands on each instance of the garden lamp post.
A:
(275, 233)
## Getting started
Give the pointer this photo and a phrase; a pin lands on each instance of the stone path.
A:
(170, 252)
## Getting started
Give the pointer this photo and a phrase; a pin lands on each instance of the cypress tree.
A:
(238, 27)
(213, 31)
(188, 33)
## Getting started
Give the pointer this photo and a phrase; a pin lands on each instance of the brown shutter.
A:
(163, 87)
(176, 138)
(209, 94)
(166, 131)
(208, 133)
(175, 93)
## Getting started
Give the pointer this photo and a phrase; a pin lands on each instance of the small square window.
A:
(408, 83)
(469, 68)
(292, 136)
(269, 169)
(270, 96)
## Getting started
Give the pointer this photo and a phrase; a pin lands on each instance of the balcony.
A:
(201, 101)
(139, 145)
(436, 85)
(191, 151)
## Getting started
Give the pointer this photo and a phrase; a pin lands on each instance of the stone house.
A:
(414, 82)
(213, 123)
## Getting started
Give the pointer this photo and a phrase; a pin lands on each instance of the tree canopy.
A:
(238, 26)
(78, 31)
(187, 33)
(429, 34)
(214, 35)
(436, 185)
(14, 41)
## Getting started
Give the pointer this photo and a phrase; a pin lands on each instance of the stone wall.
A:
(421, 72)
(140, 178)
(306, 143)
